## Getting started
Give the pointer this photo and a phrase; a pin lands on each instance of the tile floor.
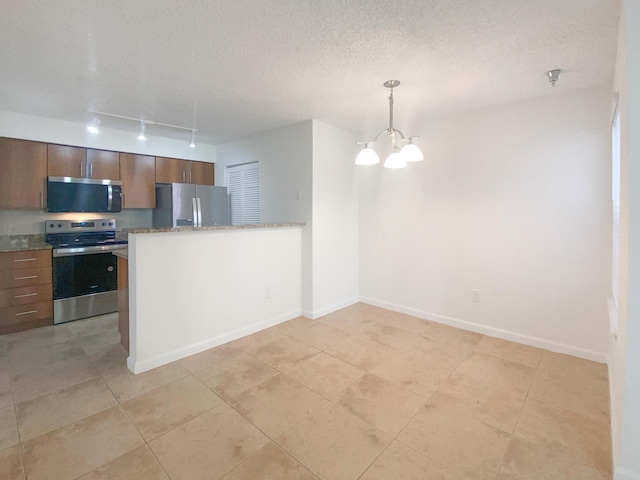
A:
(363, 393)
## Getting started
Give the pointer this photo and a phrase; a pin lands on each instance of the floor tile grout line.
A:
(512, 436)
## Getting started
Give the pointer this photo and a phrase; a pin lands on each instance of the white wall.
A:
(513, 201)
(284, 159)
(28, 127)
(617, 342)
(625, 350)
(190, 291)
(285, 162)
(335, 220)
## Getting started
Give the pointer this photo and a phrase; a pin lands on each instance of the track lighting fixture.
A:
(93, 126)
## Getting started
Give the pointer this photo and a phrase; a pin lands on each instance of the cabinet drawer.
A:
(25, 295)
(25, 259)
(25, 277)
(20, 316)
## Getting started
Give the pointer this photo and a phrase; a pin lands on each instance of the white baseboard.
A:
(624, 474)
(612, 411)
(159, 360)
(315, 314)
(334, 308)
(491, 331)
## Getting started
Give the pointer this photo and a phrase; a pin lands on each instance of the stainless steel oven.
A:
(85, 272)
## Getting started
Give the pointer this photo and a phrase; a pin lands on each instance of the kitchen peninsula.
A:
(191, 289)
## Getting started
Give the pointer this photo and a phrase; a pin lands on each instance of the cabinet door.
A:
(201, 173)
(171, 170)
(103, 164)
(138, 173)
(65, 161)
(23, 173)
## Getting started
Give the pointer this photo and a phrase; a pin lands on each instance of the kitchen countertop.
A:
(124, 253)
(15, 243)
(217, 227)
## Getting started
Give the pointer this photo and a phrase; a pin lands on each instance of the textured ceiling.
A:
(231, 68)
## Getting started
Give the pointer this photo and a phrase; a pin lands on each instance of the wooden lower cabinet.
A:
(25, 290)
(123, 301)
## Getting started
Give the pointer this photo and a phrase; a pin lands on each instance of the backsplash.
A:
(27, 222)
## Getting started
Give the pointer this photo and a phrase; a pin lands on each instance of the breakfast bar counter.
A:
(191, 289)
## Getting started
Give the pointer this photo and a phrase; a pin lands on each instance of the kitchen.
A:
(83, 266)
(490, 194)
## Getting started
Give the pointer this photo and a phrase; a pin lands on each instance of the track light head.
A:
(141, 135)
(94, 126)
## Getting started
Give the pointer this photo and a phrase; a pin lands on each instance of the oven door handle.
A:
(69, 252)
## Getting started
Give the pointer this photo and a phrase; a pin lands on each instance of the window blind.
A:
(243, 182)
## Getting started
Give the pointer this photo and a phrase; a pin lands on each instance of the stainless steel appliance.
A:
(67, 194)
(187, 205)
(85, 273)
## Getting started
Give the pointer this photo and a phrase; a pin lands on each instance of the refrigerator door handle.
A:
(194, 205)
(199, 212)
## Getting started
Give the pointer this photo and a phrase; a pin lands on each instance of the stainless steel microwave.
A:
(69, 194)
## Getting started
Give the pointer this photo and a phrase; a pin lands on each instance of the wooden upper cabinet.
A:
(201, 173)
(103, 164)
(23, 173)
(66, 161)
(138, 174)
(172, 170)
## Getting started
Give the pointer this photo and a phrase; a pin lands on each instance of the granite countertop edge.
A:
(17, 243)
(217, 227)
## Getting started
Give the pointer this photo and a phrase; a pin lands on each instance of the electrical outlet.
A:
(475, 295)
(298, 194)
(267, 293)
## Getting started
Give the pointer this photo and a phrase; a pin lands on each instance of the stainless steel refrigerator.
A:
(187, 205)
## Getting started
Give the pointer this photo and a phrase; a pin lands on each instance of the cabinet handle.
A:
(190, 181)
(184, 176)
(123, 202)
(90, 168)
(26, 313)
(41, 199)
(81, 170)
(25, 260)
(26, 278)
(26, 295)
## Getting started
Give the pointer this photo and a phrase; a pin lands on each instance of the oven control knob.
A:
(103, 224)
(51, 225)
(111, 224)
(109, 269)
(59, 225)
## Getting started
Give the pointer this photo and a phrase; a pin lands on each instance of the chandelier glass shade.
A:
(398, 157)
(367, 156)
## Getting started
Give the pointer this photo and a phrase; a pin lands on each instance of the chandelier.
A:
(398, 157)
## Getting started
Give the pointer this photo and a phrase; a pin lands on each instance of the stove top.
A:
(85, 233)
